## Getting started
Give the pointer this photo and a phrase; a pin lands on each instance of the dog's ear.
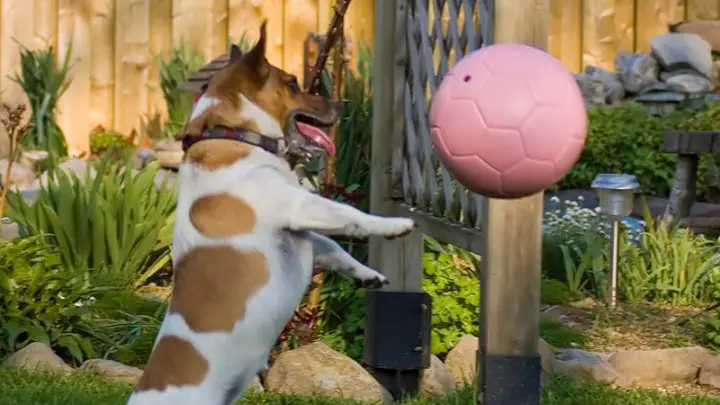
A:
(255, 58)
(235, 54)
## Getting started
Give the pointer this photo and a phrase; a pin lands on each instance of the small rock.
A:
(461, 360)
(113, 370)
(637, 71)
(31, 158)
(9, 231)
(709, 30)
(169, 153)
(586, 303)
(688, 83)
(587, 366)
(683, 51)
(652, 368)
(317, 369)
(37, 356)
(436, 380)
(142, 157)
(256, 385)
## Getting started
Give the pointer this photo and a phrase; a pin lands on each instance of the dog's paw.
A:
(393, 227)
(372, 283)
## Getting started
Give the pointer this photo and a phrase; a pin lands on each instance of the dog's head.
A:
(251, 94)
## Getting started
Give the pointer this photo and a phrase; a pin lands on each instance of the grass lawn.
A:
(21, 388)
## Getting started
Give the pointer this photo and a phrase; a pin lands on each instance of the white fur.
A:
(287, 217)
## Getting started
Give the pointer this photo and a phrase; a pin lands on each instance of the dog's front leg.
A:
(329, 255)
(312, 212)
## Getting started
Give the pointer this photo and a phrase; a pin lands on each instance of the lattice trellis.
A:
(439, 32)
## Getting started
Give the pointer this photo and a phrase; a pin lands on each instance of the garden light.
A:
(616, 195)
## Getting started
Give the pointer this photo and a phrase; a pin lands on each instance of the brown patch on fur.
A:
(222, 216)
(213, 285)
(174, 362)
(214, 154)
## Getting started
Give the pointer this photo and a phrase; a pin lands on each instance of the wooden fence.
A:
(114, 41)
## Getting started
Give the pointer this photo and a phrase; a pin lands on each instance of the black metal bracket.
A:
(509, 380)
(397, 339)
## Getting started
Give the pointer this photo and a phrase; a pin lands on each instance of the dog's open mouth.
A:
(313, 129)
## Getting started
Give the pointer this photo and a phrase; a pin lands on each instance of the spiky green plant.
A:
(174, 73)
(44, 81)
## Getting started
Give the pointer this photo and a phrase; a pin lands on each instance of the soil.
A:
(644, 327)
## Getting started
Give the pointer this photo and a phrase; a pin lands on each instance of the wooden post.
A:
(509, 364)
(397, 318)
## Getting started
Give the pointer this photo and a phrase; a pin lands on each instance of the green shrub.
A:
(174, 73)
(664, 265)
(44, 82)
(41, 300)
(101, 140)
(450, 278)
(116, 224)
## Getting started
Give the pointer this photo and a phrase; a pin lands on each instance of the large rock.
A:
(587, 366)
(436, 380)
(22, 176)
(710, 373)
(461, 360)
(256, 385)
(637, 71)
(683, 51)
(613, 89)
(72, 167)
(709, 30)
(317, 369)
(548, 362)
(37, 356)
(653, 368)
(592, 89)
(112, 370)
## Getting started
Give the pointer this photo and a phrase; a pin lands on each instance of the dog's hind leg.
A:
(329, 255)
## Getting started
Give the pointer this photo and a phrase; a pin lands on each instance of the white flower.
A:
(78, 304)
(554, 199)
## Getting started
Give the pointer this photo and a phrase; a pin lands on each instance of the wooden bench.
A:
(688, 146)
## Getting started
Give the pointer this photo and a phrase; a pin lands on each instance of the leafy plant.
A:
(669, 265)
(174, 73)
(451, 279)
(42, 300)
(44, 82)
(102, 139)
(113, 224)
(15, 133)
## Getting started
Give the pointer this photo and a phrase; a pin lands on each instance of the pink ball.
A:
(508, 121)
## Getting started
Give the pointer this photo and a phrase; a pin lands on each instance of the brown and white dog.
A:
(246, 233)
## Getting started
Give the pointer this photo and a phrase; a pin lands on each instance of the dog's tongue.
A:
(316, 136)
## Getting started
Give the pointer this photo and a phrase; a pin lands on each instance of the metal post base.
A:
(400, 384)
(397, 339)
(510, 380)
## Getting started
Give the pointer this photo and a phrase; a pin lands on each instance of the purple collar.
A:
(271, 145)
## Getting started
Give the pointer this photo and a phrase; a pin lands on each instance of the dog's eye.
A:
(293, 84)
